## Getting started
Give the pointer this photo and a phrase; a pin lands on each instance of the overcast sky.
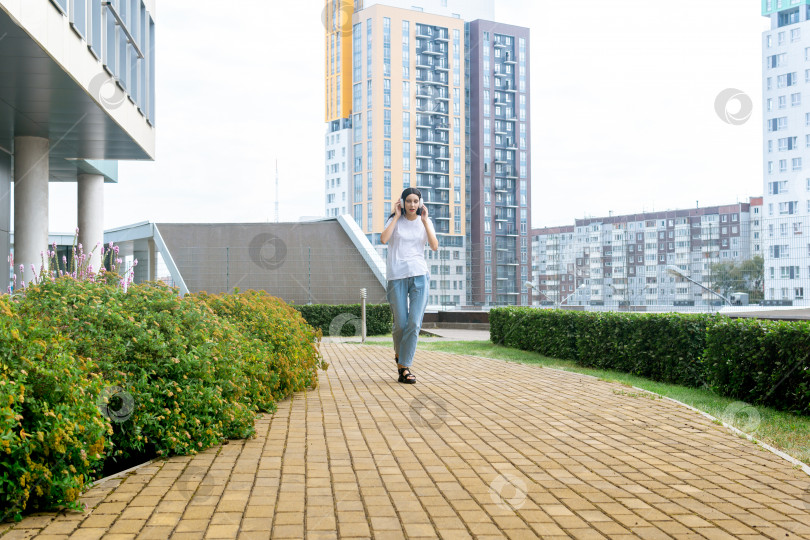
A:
(623, 111)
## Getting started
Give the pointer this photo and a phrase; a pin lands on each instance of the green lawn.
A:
(787, 432)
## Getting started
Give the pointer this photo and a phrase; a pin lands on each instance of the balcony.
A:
(424, 62)
(432, 107)
(424, 32)
(501, 185)
(423, 121)
(430, 138)
(433, 49)
(438, 211)
(433, 78)
(432, 169)
(441, 35)
(507, 231)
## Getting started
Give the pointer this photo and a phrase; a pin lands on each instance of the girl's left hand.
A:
(424, 214)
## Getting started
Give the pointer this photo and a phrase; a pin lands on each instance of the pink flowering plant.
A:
(78, 267)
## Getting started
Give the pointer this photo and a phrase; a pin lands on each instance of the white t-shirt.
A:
(406, 249)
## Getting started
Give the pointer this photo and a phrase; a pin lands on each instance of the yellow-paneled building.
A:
(395, 96)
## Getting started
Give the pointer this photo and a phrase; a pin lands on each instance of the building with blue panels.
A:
(77, 94)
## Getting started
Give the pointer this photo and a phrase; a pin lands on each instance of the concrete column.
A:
(146, 253)
(91, 216)
(140, 273)
(31, 174)
(5, 210)
(152, 260)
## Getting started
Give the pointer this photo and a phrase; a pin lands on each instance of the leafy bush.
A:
(175, 360)
(91, 372)
(344, 320)
(52, 435)
(285, 356)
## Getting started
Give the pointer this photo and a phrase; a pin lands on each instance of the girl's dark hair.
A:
(405, 193)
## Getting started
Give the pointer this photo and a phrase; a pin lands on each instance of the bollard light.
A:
(363, 295)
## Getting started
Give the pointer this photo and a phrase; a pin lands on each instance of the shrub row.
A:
(759, 361)
(91, 374)
(344, 320)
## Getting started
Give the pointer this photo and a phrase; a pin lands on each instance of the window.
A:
(406, 95)
(786, 80)
(779, 124)
(406, 125)
(778, 60)
(406, 156)
(795, 99)
(775, 188)
(406, 60)
(788, 208)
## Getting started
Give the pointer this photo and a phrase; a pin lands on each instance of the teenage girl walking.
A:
(407, 230)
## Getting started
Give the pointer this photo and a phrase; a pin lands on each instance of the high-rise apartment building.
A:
(628, 261)
(338, 24)
(786, 149)
(398, 89)
(500, 165)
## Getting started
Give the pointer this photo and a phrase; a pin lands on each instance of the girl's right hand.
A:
(398, 208)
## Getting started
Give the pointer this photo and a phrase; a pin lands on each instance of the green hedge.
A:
(762, 362)
(344, 320)
(91, 374)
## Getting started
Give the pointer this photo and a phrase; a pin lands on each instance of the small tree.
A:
(743, 276)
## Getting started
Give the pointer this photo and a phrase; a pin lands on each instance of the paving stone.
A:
(567, 456)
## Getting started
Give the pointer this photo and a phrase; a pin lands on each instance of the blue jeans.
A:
(408, 298)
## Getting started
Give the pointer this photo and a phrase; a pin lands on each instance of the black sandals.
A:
(407, 378)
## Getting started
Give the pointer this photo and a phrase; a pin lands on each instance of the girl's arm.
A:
(386, 234)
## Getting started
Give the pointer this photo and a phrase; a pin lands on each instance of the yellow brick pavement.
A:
(479, 448)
